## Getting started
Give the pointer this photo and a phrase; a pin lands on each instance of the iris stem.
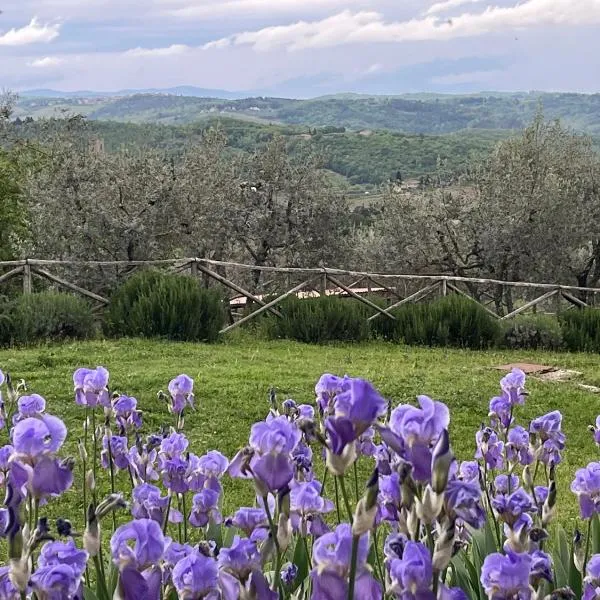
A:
(95, 444)
(324, 482)
(378, 560)
(166, 517)
(337, 501)
(588, 538)
(487, 495)
(100, 578)
(112, 475)
(356, 481)
(276, 541)
(355, 539)
(184, 510)
(345, 497)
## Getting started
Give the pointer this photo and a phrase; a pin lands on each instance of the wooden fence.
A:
(252, 290)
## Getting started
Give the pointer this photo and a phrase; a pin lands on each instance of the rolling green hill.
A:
(427, 114)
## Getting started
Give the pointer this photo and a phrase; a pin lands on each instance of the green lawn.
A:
(232, 381)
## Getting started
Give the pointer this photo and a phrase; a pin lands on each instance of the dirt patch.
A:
(527, 368)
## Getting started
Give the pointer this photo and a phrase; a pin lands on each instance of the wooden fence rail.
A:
(251, 293)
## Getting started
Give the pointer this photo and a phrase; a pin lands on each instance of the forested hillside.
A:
(428, 114)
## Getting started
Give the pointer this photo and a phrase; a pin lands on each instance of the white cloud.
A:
(172, 50)
(440, 7)
(46, 62)
(34, 33)
(371, 27)
(219, 8)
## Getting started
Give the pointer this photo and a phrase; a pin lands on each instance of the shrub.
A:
(320, 320)
(450, 321)
(155, 304)
(46, 316)
(532, 332)
(581, 329)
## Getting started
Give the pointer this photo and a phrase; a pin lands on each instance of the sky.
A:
(301, 48)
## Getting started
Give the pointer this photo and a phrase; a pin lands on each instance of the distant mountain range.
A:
(183, 90)
(411, 113)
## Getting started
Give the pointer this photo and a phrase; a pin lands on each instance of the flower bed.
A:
(425, 526)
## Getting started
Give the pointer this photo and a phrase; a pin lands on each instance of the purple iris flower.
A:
(240, 559)
(331, 559)
(248, 519)
(592, 579)
(541, 568)
(306, 411)
(307, 505)
(289, 574)
(126, 414)
(490, 448)
(510, 507)
(507, 577)
(205, 508)
(7, 590)
(548, 430)
(513, 386)
(206, 471)
(411, 575)
(302, 456)
(419, 429)
(273, 441)
(541, 493)
(118, 451)
(327, 389)
(149, 504)
(63, 553)
(517, 448)
(29, 406)
(175, 473)
(366, 447)
(35, 442)
(174, 445)
(500, 412)
(181, 390)
(587, 487)
(332, 551)
(55, 582)
(360, 403)
(33, 437)
(596, 430)
(504, 485)
(91, 387)
(143, 464)
(148, 544)
(328, 585)
(462, 500)
(446, 593)
(195, 577)
(469, 471)
(389, 498)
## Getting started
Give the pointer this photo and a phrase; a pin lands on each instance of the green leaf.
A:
(562, 558)
(113, 579)
(88, 594)
(215, 534)
(595, 534)
(301, 560)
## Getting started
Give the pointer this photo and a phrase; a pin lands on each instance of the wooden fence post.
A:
(27, 284)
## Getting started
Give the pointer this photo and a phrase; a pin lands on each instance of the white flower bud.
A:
(364, 518)
(82, 451)
(19, 573)
(444, 546)
(338, 464)
(430, 506)
(527, 477)
(284, 532)
(91, 539)
(90, 480)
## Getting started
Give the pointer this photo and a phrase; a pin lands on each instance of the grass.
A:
(232, 382)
